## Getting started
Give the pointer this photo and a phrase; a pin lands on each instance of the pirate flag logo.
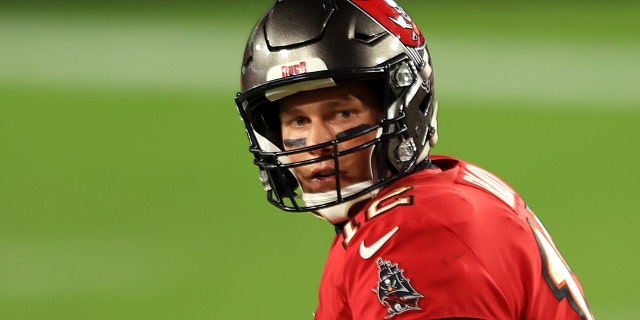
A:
(394, 290)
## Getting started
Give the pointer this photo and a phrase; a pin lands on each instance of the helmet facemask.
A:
(393, 152)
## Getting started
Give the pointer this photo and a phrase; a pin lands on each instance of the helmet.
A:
(301, 45)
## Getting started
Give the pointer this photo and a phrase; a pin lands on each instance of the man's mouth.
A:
(323, 173)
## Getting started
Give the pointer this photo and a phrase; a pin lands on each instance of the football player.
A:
(338, 101)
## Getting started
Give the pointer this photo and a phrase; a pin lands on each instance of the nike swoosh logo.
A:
(367, 252)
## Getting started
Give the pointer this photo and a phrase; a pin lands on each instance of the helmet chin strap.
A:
(340, 212)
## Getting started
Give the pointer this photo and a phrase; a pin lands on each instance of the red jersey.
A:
(449, 243)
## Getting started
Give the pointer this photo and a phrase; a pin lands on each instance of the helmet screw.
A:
(406, 150)
(427, 85)
(264, 178)
(403, 76)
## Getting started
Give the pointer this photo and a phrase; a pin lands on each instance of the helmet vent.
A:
(367, 38)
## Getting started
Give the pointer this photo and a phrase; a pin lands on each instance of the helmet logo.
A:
(392, 17)
(295, 67)
(291, 70)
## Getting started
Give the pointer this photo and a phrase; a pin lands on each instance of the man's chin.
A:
(320, 190)
(322, 186)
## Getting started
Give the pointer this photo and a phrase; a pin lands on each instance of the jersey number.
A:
(557, 273)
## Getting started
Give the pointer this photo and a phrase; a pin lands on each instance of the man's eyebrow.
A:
(292, 143)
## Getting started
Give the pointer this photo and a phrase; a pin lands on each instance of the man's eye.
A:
(345, 114)
(299, 121)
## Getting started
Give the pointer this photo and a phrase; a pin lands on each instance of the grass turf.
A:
(140, 205)
(126, 188)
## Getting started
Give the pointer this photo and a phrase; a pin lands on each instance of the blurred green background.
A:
(127, 192)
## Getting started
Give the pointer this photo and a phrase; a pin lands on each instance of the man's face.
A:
(313, 117)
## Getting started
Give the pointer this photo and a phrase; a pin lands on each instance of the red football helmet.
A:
(301, 45)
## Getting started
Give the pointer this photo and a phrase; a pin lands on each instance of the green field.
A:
(127, 192)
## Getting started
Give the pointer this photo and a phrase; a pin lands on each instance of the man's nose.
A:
(320, 133)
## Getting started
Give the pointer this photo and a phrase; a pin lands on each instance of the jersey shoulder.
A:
(456, 185)
(456, 196)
